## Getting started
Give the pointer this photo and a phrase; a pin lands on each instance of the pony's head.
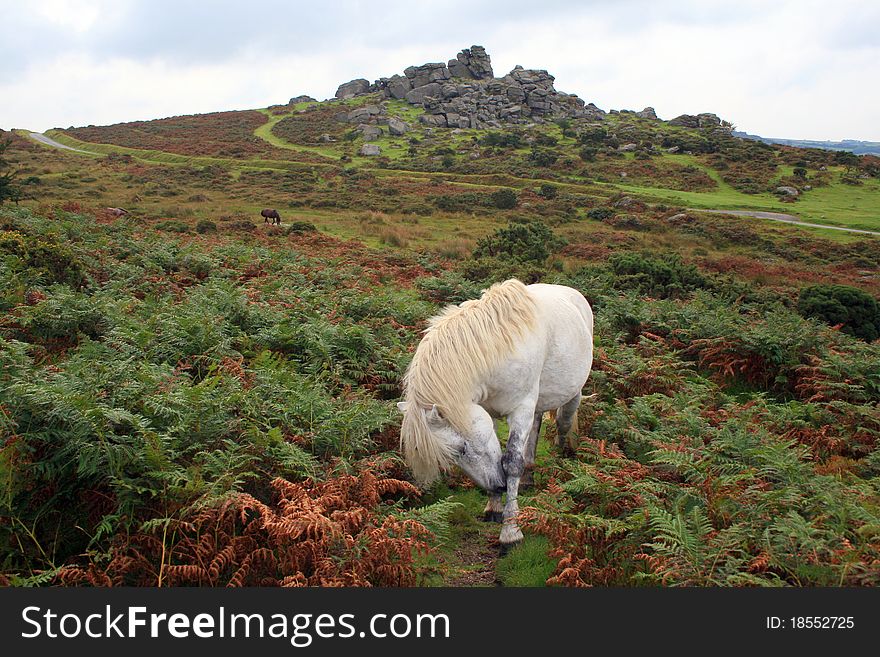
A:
(431, 445)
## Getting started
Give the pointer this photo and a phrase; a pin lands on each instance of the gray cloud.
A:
(95, 61)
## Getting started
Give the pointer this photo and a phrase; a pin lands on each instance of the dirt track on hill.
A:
(784, 218)
(48, 141)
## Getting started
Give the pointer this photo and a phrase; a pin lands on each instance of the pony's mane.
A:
(461, 344)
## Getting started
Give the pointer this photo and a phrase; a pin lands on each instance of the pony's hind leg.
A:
(566, 425)
(492, 513)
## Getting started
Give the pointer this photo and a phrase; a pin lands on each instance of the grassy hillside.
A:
(190, 396)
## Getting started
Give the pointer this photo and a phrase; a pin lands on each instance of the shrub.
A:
(600, 214)
(504, 199)
(299, 227)
(206, 226)
(588, 153)
(528, 242)
(172, 226)
(856, 310)
(448, 287)
(502, 139)
(663, 277)
(45, 257)
(459, 202)
(549, 191)
(543, 157)
(546, 140)
(592, 135)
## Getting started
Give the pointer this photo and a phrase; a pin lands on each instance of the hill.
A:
(192, 396)
(851, 145)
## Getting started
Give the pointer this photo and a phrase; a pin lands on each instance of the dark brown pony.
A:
(271, 214)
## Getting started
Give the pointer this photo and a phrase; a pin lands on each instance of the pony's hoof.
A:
(492, 516)
(510, 534)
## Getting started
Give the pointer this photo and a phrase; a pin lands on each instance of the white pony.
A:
(516, 352)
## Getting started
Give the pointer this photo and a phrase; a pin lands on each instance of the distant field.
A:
(271, 139)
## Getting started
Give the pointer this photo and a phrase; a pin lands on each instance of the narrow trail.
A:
(472, 562)
(48, 141)
(784, 218)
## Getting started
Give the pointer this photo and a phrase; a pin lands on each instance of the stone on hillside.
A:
(515, 94)
(785, 190)
(436, 120)
(359, 114)
(370, 150)
(628, 148)
(427, 73)
(472, 63)
(352, 88)
(708, 119)
(647, 113)
(686, 121)
(397, 127)
(398, 86)
(704, 120)
(417, 95)
(301, 99)
(369, 132)
(448, 90)
(458, 70)
(325, 139)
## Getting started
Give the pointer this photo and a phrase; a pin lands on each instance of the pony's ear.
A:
(401, 406)
(434, 418)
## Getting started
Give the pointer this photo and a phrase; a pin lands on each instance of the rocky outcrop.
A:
(472, 63)
(301, 99)
(352, 89)
(370, 150)
(464, 93)
(647, 113)
(704, 120)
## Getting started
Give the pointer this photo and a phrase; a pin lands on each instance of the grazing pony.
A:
(271, 214)
(516, 352)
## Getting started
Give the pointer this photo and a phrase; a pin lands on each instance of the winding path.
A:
(784, 218)
(48, 141)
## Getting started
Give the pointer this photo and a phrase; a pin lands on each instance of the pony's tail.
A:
(426, 456)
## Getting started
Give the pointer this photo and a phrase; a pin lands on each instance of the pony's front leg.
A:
(528, 478)
(492, 512)
(513, 463)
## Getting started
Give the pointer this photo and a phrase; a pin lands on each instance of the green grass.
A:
(527, 564)
(265, 133)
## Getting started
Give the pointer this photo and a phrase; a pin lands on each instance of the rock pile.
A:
(463, 93)
(704, 120)
(372, 122)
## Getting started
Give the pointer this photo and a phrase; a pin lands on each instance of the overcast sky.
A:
(798, 69)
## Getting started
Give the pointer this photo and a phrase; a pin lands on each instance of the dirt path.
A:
(784, 218)
(48, 141)
(472, 562)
